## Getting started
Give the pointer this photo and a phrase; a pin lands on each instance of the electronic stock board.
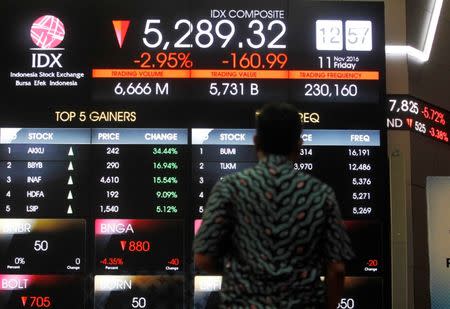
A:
(118, 117)
(409, 113)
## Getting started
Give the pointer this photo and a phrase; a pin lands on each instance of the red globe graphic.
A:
(47, 31)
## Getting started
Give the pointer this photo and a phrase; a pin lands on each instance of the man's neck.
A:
(292, 156)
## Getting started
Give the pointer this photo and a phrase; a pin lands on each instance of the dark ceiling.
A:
(429, 81)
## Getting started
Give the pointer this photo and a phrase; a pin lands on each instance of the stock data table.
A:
(128, 186)
(345, 159)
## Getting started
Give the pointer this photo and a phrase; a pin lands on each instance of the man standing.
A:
(273, 231)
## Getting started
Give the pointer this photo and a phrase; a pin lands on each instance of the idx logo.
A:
(46, 61)
(47, 33)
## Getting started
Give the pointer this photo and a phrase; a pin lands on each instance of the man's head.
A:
(278, 129)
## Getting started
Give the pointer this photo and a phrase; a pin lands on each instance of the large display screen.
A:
(118, 117)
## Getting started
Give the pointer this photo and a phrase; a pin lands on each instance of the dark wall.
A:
(428, 158)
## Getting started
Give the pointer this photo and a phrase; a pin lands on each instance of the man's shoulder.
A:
(242, 177)
(249, 172)
(239, 179)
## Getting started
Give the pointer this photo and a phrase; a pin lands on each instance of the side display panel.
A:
(409, 113)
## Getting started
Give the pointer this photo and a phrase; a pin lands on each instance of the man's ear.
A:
(257, 142)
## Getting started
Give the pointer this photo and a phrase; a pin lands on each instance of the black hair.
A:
(278, 128)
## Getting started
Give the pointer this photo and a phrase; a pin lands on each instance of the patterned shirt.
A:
(275, 228)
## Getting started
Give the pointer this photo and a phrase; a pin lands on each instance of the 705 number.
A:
(40, 301)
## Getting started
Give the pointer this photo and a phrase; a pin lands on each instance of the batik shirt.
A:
(275, 229)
